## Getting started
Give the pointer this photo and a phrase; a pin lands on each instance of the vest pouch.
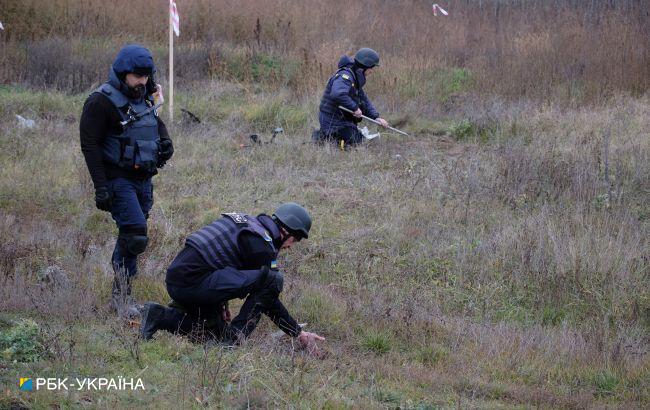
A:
(127, 156)
(147, 154)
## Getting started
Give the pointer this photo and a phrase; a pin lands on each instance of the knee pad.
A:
(136, 244)
(133, 240)
(133, 244)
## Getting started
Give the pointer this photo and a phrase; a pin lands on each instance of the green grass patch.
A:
(454, 81)
(211, 103)
(20, 341)
(424, 126)
(443, 84)
(270, 114)
(605, 382)
(377, 342)
(244, 65)
(462, 129)
(467, 130)
(552, 316)
(319, 309)
(432, 355)
(35, 104)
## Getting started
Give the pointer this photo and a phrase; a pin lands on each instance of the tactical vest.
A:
(330, 106)
(218, 242)
(137, 146)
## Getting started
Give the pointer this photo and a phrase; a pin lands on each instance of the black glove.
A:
(103, 199)
(165, 152)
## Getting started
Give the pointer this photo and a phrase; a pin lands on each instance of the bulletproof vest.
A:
(218, 242)
(137, 146)
(329, 105)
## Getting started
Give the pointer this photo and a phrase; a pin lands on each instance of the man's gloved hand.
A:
(165, 152)
(103, 199)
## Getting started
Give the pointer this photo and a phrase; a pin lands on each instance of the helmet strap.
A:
(285, 234)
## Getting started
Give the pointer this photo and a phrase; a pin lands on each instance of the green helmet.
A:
(367, 57)
(294, 218)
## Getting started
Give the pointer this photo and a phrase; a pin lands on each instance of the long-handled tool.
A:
(374, 121)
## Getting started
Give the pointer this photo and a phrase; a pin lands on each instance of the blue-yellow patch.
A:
(274, 264)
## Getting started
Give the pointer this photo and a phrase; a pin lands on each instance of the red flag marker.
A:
(437, 9)
(173, 11)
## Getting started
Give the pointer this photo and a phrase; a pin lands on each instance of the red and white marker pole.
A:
(437, 9)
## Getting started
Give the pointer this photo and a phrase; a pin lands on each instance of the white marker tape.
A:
(437, 9)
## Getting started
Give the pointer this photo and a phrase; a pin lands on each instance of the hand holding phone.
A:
(158, 95)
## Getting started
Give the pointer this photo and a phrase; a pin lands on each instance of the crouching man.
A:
(233, 257)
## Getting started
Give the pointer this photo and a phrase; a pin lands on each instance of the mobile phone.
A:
(151, 85)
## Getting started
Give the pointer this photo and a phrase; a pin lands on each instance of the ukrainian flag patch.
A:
(274, 264)
(25, 384)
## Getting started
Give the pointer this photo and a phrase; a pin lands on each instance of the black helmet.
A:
(367, 57)
(294, 218)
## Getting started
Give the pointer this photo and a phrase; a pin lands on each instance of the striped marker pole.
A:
(174, 22)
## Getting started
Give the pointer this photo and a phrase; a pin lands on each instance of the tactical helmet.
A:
(367, 57)
(134, 58)
(294, 218)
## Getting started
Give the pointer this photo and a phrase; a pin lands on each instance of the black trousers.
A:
(201, 294)
(204, 301)
(349, 135)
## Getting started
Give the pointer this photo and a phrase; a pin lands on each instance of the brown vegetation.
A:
(498, 258)
(578, 51)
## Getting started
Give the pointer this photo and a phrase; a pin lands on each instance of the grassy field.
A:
(503, 266)
(497, 258)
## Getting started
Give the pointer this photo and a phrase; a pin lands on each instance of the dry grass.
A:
(496, 259)
(506, 269)
(580, 51)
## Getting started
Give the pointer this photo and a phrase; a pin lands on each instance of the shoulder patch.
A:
(237, 217)
(345, 76)
(274, 264)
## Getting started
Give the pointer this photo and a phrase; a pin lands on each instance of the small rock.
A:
(25, 122)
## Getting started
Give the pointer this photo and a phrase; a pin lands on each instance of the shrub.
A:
(462, 130)
(20, 341)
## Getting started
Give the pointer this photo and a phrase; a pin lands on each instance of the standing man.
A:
(124, 142)
(345, 88)
(233, 257)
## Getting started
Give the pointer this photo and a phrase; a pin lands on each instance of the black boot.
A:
(158, 317)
